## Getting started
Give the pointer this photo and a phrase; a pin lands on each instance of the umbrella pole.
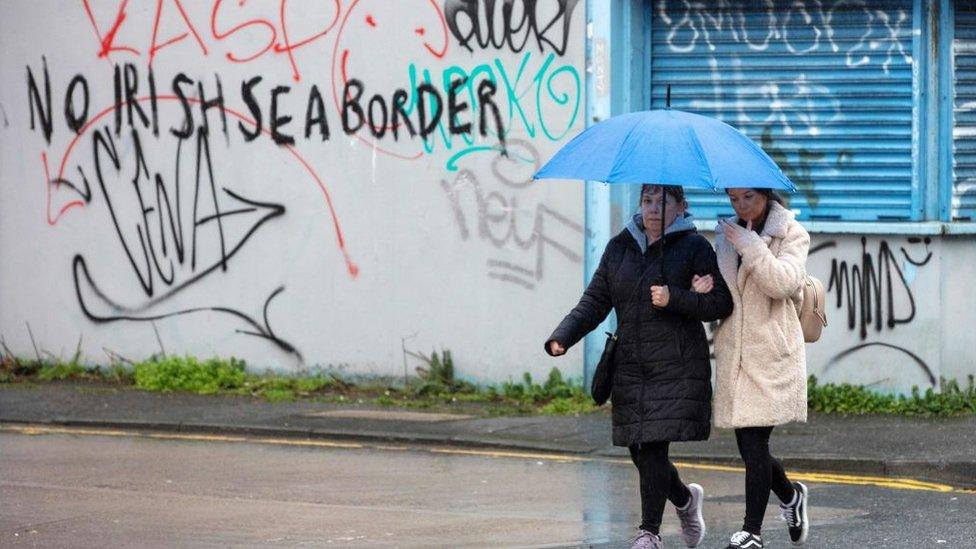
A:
(664, 199)
(664, 196)
(664, 202)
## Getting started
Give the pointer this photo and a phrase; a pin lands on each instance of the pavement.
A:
(932, 450)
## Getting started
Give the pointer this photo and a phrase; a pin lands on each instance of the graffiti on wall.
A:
(801, 26)
(797, 107)
(874, 294)
(519, 23)
(871, 293)
(471, 79)
(497, 217)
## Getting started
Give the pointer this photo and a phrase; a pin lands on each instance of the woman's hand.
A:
(556, 348)
(702, 284)
(737, 236)
(660, 296)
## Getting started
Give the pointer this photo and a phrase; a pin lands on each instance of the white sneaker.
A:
(647, 540)
(692, 523)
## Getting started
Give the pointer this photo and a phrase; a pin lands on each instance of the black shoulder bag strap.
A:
(602, 384)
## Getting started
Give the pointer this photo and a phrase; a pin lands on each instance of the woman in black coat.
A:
(662, 373)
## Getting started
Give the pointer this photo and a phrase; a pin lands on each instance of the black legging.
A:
(659, 482)
(763, 472)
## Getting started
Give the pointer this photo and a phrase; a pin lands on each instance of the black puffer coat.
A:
(662, 374)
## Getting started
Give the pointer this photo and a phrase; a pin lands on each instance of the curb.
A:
(955, 473)
(295, 433)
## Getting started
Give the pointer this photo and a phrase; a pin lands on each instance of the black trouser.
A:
(659, 482)
(763, 472)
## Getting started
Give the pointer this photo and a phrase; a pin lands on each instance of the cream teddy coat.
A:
(761, 377)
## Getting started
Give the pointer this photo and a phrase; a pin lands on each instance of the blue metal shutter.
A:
(964, 114)
(824, 87)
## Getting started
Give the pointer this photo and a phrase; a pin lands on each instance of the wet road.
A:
(75, 488)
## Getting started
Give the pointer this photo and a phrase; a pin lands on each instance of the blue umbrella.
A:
(666, 147)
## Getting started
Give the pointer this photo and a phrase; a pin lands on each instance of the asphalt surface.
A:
(936, 450)
(81, 487)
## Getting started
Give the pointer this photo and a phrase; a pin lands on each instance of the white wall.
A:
(885, 315)
(958, 307)
(335, 252)
(901, 310)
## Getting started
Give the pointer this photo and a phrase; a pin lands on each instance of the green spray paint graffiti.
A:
(546, 105)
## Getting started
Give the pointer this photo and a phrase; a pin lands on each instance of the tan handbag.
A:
(812, 309)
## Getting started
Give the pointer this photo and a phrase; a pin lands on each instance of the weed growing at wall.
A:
(855, 399)
(282, 388)
(438, 378)
(115, 373)
(62, 370)
(188, 374)
(219, 375)
(14, 369)
(437, 387)
(556, 396)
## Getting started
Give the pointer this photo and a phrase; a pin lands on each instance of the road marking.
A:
(86, 431)
(510, 454)
(886, 482)
(895, 483)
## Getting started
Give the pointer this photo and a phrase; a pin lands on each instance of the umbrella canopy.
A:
(666, 147)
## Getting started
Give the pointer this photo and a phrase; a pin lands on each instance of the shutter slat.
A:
(833, 108)
(964, 114)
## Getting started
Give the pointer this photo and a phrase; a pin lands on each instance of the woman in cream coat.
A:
(761, 378)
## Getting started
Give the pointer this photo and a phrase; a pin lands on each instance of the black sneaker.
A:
(796, 515)
(744, 540)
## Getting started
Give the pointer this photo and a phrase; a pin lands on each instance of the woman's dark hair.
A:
(770, 195)
(677, 192)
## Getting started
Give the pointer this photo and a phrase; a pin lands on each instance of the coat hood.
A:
(636, 228)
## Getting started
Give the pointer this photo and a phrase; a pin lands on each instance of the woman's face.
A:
(651, 210)
(748, 204)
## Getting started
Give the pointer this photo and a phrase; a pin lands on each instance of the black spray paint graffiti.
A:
(918, 361)
(495, 213)
(429, 104)
(466, 106)
(167, 247)
(503, 24)
(869, 290)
